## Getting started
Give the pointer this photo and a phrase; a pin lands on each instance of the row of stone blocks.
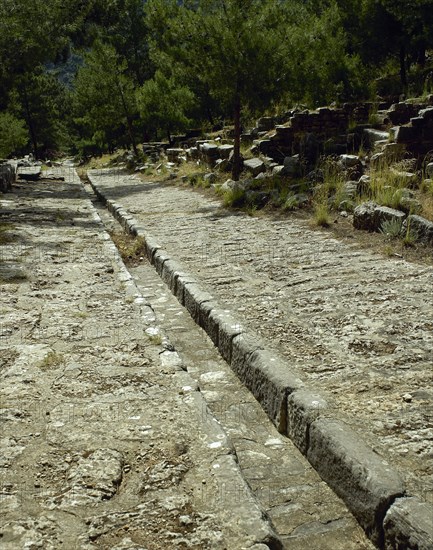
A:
(371, 489)
(227, 457)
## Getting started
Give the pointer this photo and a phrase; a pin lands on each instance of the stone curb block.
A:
(194, 297)
(270, 381)
(160, 256)
(243, 346)
(206, 323)
(303, 408)
(409, 524)
(359, 476)
(169, 271)
(151, 246)
(181, 280)
(222, 329)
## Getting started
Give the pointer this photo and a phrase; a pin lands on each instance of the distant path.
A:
(357, 326)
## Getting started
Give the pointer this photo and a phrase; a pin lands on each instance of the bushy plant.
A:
(234, 197)
(13, 135)
(391, 228)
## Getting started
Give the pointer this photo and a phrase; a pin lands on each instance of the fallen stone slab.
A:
(225, 150)
(405, 134)
(372, 136)
(292, 166)
(385, 214)
(363, 216)
(32, 173)
(303, 408)
(173, 154)
(408, 524)
(349, 161)
(363, 479)
(420, 227)
(209, 149)
(370, 217)
(255, 166)
(265, 123)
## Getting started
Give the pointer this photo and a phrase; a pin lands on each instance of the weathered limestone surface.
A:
(354, 325)
(106, 441)
(305, 512)
(408, 524)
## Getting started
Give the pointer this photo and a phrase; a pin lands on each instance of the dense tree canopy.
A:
(91, 75)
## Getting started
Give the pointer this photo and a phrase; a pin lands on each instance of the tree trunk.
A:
(209, 116)
(236, 170)
(403, 74)
(170, 142)
(30, 122)
(128, 120)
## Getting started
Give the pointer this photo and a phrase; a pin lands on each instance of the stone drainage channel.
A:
(304, 510)
(370, 487)
(106, 441)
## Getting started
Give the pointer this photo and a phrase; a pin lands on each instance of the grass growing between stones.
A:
(130, 248)
(321, 215)
(234, 197)
(4, 229)
(155, 339)
(51, 361)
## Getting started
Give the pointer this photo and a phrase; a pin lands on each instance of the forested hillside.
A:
(90, 76)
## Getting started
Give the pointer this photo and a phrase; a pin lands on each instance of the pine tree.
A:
(235, 47)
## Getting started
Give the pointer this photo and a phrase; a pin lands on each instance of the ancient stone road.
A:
(356, 326)
(304, 511)
(105, 442)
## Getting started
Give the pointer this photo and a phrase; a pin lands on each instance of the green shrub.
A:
(291, 202)
(391, 228)
(321, 214)
(234, 197)
(13, 135)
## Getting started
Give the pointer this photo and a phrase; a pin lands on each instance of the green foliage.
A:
(13, 135)
(321, 214)
(163, 104)
(391, 228)
(198, 62)
(410, 237)
(325, 70)
(291, 202)
(234, 197)
(104, 99)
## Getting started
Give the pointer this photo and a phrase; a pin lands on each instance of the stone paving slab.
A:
(304, 510)
(189, 218)
(106, 441)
